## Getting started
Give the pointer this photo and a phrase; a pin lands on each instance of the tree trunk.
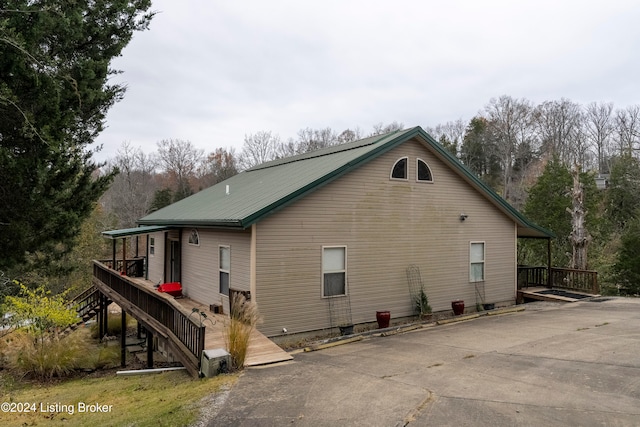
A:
(579, 236)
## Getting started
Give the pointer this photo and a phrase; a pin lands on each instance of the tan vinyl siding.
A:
(386, 225)
(200, 264)
(156, 261)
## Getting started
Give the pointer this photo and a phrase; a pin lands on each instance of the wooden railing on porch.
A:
(134, 266)
(575, 280)
(162, 315)
(563, 278)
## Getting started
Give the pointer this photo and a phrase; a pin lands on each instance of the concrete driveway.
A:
(572, 364)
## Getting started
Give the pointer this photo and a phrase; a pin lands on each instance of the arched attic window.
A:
(194, 238)
(399, 169)
(423, 172)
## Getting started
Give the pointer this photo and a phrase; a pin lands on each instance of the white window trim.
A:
(194, 230)
(152, 246)
(483, 262)
(346, 288)
(221, 270)
(394, 166)
(418, 160)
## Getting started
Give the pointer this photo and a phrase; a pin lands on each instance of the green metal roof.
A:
(126, 232)
(251, 195)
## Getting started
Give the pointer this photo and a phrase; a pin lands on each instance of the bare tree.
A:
(349, 135)
(450, 135)
(559, 125)
(509, 124)
(627, 125)
(131, 193)
(181, 161)
(315, 139)
(259, 148)
(219, 165)
(380, 128)
(599, 127)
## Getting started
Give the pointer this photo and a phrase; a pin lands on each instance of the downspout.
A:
(146, 261)
(252, 262)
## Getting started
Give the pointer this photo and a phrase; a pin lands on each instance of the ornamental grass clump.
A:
(243, 319)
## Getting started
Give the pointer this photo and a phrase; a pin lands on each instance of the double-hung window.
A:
(476, 258)
(334, 271)
(225, 269)
(152, 245)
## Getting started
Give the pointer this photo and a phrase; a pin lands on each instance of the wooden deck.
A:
(262, 350)
(535, 293)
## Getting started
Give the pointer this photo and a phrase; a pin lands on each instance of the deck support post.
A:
(113, 258)
(123, 339)
(149, 349)
(100, 320)
(124, 256)
(105, 316)
(139, 335)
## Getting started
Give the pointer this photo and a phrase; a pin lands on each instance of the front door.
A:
(174, 261)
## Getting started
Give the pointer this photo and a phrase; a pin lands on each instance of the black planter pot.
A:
(490, 306)
(346, 330)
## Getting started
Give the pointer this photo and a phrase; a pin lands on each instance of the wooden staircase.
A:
(86, 305)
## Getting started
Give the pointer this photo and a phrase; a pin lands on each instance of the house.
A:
(337, 229)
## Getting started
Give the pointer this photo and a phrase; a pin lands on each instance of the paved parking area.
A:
(570, 364)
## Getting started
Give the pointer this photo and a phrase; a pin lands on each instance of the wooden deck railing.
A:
(532, 276)
(134, 266)
(563, 278)
(162, 315)
(576, 280)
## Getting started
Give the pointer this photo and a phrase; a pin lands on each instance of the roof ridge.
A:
(326, 151)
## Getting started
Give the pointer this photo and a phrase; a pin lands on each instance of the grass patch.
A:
(167, 399)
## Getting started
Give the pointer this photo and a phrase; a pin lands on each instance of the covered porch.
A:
(178, 321)
(186, 327)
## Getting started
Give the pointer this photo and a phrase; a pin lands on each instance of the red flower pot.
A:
(458, 307)
(383, 318)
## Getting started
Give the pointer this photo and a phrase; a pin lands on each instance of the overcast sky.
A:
(212, 71)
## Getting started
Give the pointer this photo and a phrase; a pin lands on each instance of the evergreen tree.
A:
(623, 194)
(627, 267)
(55, 60)
(478, 153)
(548, 205)
(161, 198)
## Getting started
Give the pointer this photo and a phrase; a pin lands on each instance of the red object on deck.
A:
(174, 289)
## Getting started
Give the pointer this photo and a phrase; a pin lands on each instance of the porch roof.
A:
(126, 232)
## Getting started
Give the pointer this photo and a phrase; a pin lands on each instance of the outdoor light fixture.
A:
(463, 216)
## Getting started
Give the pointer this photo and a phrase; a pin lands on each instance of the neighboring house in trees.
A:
(342, 224)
